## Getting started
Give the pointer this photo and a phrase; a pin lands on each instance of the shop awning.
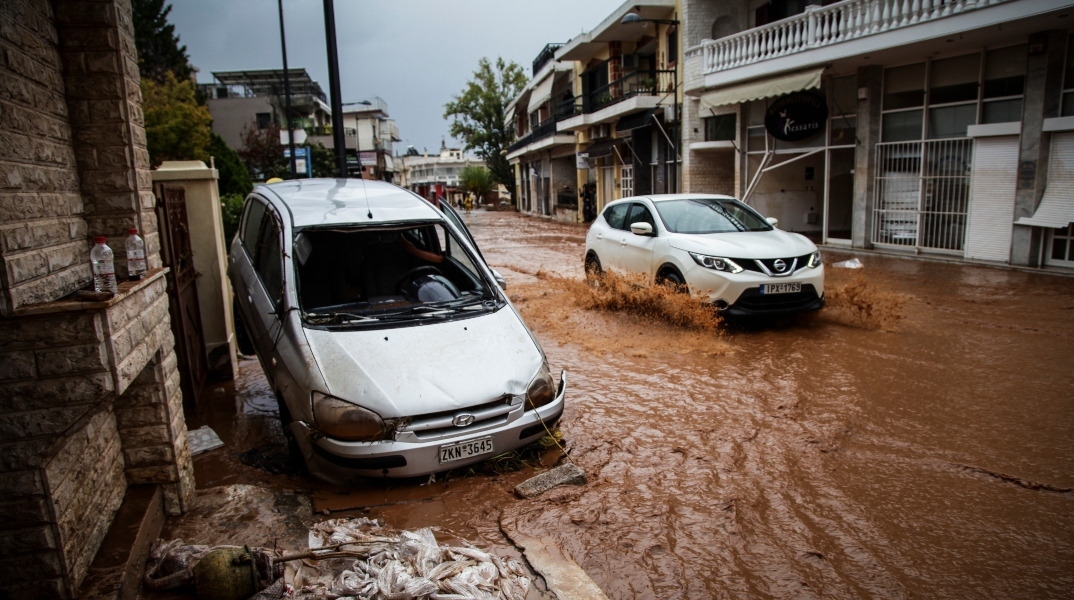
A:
(541, 93)
(602, 147)
(766, 88)
(634, 121)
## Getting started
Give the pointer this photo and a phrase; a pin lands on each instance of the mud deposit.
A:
(914, 439)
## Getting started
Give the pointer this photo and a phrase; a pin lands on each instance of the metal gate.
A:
(178, 254)
(922, 194)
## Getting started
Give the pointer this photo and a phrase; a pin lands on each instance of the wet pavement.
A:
(914, 439)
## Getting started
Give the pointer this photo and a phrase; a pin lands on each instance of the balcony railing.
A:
(547, 53)
(544, 129)
(824, 26)
(639, 83)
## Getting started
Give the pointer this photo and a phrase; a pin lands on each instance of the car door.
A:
(264, 283)
(636, 251)
(242, 258)
(608, 234)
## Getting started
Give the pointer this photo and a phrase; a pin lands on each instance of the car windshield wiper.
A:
(333, 316)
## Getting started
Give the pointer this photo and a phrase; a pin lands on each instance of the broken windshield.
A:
(363, 276)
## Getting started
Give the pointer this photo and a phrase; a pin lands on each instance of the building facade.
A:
(605, 107)
(90, 400)
(370, 135)
(437, 175)
(939, 126)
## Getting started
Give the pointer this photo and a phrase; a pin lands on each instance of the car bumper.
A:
(739, 293)
(339, 461)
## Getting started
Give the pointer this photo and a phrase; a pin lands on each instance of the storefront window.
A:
(901, 126)
(1002, 111)
(720, 128)
(843, 130)
(844, 92)
(951, 121)
(955, 79)
(904, 87)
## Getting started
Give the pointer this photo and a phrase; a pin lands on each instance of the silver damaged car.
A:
(389, 342)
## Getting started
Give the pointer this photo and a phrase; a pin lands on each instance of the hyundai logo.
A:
(463, 420)
(779, 265)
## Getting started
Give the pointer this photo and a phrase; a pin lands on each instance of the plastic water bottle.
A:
(104, 268)
(135, 255)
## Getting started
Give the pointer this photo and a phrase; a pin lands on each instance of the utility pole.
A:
(287, 97)
(338, 139)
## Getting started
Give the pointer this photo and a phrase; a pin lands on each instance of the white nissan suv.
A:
(713, 245)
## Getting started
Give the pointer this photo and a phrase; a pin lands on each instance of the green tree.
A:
(478, 115)
(263, 153)
(176, 127)
(476, 180)
(158, 47)
(234, 178)
(322, 160)
(231, 211)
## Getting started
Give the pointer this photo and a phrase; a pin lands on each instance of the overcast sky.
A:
(415, 54)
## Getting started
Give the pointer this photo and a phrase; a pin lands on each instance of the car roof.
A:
(666, 197)
(314, 202)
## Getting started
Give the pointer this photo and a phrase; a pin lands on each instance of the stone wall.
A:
(89, 392)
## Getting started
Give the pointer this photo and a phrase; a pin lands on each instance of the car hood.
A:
(430, 368)
(745, 244)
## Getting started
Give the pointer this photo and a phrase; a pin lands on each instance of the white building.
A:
(437, 175)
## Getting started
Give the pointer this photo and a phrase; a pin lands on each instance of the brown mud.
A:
(913, 439)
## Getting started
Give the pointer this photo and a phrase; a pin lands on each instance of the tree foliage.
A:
(159, 51)
(478, 115)
(234, 178)
(176, 127)
(476, 180)
(231, 211)
(322, 160)
(263, 153)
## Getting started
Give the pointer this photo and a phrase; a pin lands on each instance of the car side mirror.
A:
(641, 229)
(500, 281)
(772, 221)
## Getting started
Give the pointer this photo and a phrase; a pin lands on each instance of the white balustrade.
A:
(822, 26)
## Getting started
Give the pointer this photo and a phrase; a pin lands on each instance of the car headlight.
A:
(814, 260)
(542, 390)
(716, 263)
(345, 421)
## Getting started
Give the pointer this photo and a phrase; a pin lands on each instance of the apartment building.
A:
(369, 134)
(436, 175)
(926, 126)
(603, 108)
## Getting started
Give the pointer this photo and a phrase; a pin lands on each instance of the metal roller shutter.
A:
(1056, 208)
(992, 189)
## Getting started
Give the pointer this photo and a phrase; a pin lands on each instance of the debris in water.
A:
(853, 263)
(203, 439)
(565, 474)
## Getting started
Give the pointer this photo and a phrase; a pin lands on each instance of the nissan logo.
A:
(780, 265)
(463, 420)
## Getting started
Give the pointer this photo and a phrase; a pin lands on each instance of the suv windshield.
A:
(371, 275)
(709, 215)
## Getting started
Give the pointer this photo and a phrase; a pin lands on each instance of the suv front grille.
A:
(793, 264)
(436, 425)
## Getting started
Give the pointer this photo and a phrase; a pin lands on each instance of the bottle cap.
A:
(99, 239)
(132, 231)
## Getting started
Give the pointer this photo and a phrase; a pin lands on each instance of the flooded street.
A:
(915, 439)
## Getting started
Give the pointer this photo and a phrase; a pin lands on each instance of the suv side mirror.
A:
(500, 281)
(641, 229)
(772, 221)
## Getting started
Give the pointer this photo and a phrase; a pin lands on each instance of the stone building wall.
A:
(89, 392)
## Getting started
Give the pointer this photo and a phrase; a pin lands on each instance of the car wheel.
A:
(672, 279)
(242, 337)
(296, 463)
(592, 267)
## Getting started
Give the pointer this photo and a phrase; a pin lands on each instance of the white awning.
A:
(765, 88)
(1056, 208)
(541, 93)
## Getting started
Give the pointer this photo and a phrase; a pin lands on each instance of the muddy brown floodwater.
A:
(914, 439)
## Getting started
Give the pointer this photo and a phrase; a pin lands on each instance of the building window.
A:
(673, 46)
(1068, 80)
(264, 120)
(720, 128)
(626, 180)
(1062, 250)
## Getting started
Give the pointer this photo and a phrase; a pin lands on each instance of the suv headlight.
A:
(716, 263)
(346, 421)
(542, 390)
(814, 260)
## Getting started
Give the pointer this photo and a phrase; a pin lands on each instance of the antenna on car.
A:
(368, 211)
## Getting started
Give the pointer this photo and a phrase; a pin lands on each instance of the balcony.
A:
(640, 90)
(543, 58)
(849, 28)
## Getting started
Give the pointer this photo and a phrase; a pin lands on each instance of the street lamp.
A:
(632, 18)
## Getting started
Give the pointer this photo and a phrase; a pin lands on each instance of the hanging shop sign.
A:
(796, 117)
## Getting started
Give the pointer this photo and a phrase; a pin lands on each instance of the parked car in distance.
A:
(713, 245)
(387, 339)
